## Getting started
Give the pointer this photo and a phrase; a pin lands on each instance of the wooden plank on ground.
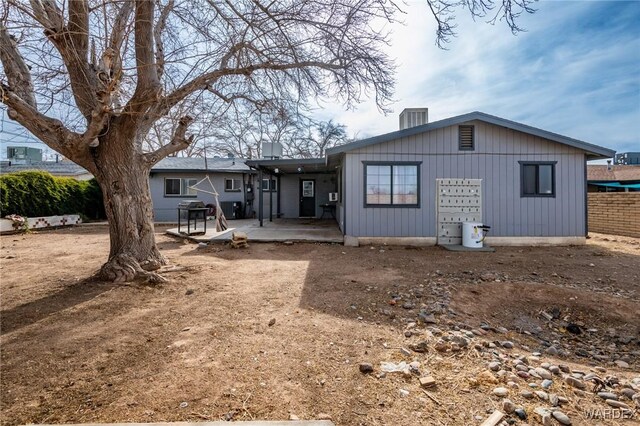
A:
(493, 419)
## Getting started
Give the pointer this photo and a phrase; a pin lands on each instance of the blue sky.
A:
(576, 71)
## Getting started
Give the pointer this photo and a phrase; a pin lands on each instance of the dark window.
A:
(466, 138)
(232, 185)
(269, 187)
(538, 179)
(394, 184)
(172, 186)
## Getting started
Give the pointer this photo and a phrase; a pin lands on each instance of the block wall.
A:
(616, 213)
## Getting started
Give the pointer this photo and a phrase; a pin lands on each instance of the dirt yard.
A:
(205, 346)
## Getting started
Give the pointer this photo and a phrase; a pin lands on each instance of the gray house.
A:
(415, 185)
(170, 181)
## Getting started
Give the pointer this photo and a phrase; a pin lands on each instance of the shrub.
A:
(35, 193)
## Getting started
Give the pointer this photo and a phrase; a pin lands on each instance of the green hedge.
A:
(34, 194)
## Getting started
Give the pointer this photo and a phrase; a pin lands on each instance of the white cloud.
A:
(569, 73)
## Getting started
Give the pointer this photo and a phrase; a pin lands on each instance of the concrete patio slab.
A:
(279, 230)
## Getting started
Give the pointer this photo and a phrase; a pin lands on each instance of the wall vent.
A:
(465, 138)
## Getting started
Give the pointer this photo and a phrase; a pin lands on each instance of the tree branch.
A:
(16, 70)
(157, 35)
(51, 131)
(179, 141)
(202, 82)
(78, 28)
(148, 85)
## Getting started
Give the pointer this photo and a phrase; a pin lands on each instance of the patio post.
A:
(271, 197)
(260, 195)
(278, 198)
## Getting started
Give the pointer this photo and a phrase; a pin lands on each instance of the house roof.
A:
(182, 164)
(603, 173)
(593, 151)
(62, 168)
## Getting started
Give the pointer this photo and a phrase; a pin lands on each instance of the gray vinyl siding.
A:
(290, 194)
(494, 160)
(165, 207)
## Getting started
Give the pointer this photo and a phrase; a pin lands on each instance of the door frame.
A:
(315, 195)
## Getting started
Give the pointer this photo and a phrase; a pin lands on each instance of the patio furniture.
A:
(328, 208)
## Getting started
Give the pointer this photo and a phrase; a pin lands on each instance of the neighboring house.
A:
(171, 178)
(618, 178)
(56, 168)
(533, 181)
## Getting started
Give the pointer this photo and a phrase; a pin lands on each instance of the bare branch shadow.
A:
(32, 312)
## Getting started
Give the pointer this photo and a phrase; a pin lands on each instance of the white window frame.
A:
(165, 187)
(268, 188)
(233, 185)
(185, 191)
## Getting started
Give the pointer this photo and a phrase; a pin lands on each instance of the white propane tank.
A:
(472, 234)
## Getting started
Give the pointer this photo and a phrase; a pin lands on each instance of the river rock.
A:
(628, 392)
(617, 404)
(508, 406)
(576, 383)
(542, 395)
(561, 417)
(494, 366)
(607, 395)
(544, 373)
(621, 364)
(500, 392)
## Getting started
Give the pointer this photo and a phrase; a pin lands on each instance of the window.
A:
(537, 179)
(267, 187)
(466, 141)
(172, 186)
(187, 183)
(395, 185)
(175, 187)
(232, 185)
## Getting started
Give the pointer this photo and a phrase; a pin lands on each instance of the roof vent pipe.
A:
(609, 167)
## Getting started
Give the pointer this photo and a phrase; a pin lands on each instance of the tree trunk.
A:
(128, 205)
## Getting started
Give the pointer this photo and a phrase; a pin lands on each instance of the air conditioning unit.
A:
(333, 196)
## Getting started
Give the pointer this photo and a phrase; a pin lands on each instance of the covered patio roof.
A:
(292, 165)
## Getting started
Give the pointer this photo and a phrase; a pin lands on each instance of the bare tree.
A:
(91, 77)
(325, 135)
